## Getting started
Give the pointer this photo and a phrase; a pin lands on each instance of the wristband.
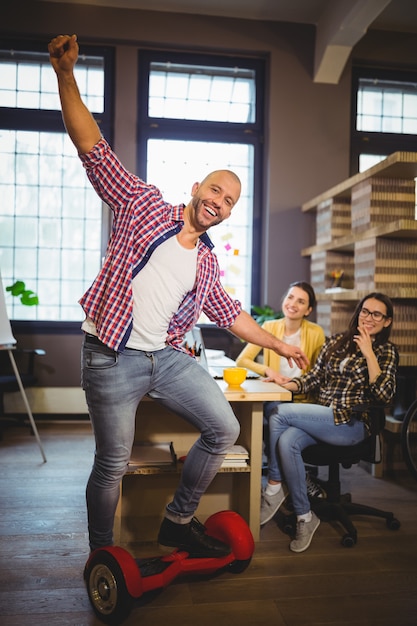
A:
(298, 383)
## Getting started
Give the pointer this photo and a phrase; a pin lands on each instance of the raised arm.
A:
(80, 124)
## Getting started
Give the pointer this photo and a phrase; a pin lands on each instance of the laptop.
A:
(213, 361)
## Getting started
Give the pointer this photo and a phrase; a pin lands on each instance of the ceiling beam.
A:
(339, 29)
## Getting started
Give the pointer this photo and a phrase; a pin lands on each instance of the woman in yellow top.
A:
(296, 330)
(293, 329)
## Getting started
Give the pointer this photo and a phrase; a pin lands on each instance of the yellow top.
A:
(312, 339)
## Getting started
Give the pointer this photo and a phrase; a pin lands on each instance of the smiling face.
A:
(213, 199)
(296, 304)
(371, 309)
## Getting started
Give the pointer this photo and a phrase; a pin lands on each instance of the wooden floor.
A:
(43, 549)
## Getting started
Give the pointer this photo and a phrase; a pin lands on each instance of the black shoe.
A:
(191, 538)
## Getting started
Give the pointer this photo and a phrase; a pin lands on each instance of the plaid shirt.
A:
(346, 385)
(142, 221)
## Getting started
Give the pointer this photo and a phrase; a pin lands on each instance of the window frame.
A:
(196, 130)
(377, 142)
(40, 120)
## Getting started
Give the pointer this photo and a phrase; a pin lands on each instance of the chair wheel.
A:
(288, 528)
(393, 524)
(348, 541)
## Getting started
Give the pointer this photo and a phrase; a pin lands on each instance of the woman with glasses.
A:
(357, 367)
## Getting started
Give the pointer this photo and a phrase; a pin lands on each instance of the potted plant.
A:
(264, 313)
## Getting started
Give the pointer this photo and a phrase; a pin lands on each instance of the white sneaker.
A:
(271, 504)
(304, 533)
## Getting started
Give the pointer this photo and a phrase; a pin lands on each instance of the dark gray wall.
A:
(290, 232)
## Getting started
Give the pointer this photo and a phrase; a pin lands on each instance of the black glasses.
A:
(376, 315)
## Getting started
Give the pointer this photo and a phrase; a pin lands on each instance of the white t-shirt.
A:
(284, 368)
(158, 290)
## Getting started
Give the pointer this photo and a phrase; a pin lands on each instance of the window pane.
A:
(174, 166)
(50, 217)
(29, 82)
(204, 93)
(50, 236)
(386, 106)
(224, 96)
(368, 160)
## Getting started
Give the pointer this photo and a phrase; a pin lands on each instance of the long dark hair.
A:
(307, 288)
(346, 344)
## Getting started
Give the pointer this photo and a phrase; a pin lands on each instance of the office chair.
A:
(337, 506)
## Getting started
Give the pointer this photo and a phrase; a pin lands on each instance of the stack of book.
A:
(237, 456)
(382, 200)
(334, 315)
(333, 219)
(157, 455)
(381, 263)
(404, 328)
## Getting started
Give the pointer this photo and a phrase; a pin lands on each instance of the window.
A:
(200, 113)
(387, 106)
(50, 217)
(384, 115)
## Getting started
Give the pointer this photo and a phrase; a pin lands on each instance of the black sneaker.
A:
(191, 538)
(314, 490)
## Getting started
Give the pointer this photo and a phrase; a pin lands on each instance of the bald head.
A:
(216, 174)
(213, 199)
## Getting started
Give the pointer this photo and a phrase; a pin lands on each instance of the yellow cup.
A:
(234, 376)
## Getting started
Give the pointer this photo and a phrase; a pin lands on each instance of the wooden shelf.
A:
(408, 360)
(400, 229)
(367, 226)
(396, 165)
(157, 471)
(395, 293)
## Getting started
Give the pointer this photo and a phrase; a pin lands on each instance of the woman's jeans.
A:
(114, 384)
(295, 426)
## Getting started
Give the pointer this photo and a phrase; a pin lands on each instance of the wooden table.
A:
(145, 492)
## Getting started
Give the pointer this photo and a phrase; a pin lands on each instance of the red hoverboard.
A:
(115, 579)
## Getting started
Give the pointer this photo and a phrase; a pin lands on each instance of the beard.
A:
(199, 215)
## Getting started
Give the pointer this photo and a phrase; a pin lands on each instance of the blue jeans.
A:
(114, 384)
(295, 426)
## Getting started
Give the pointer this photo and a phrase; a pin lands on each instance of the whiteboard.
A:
(6, 336)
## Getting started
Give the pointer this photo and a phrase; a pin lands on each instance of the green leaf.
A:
(17, 288)
(29, 298)
(265, 313)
